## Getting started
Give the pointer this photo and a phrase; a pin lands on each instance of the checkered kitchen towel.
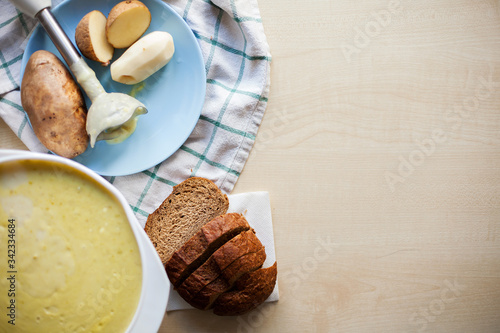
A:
(237, 63)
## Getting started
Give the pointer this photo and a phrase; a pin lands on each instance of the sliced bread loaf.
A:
(241, 245)
(250, 291)
(203, 244)
(192, 204)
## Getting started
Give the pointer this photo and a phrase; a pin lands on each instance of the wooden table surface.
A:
(380, 149)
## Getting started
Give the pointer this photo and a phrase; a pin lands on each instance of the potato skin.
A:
(54, 104)
(82, 38)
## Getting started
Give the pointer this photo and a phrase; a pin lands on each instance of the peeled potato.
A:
(90, 37)
(126, 23)
(144, 58)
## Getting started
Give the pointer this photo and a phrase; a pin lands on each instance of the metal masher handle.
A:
(58, 36)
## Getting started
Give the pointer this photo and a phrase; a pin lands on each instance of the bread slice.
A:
(209, 294)
(244, 264)
(203, 244)
(238, 247)
(192, 204)
(250, 291)
(249, 263)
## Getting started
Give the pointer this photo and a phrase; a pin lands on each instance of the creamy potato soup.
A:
(69, 261)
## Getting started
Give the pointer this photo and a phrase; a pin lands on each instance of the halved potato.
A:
(90, 37)
(126, 23)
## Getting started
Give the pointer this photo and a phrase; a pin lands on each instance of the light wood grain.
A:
(390, 157)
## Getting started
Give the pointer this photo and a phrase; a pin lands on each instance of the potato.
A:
(126, 23)
(90, 37)
(54, 104)
(144, 58)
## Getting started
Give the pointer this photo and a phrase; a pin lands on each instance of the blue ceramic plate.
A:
(174, 95)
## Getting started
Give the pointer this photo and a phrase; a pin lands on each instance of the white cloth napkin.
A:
(256, 208)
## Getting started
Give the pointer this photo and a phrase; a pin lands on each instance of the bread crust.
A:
(203, 244)
(250, 291)
(228, 261)
(210, 293)
(252, 261)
